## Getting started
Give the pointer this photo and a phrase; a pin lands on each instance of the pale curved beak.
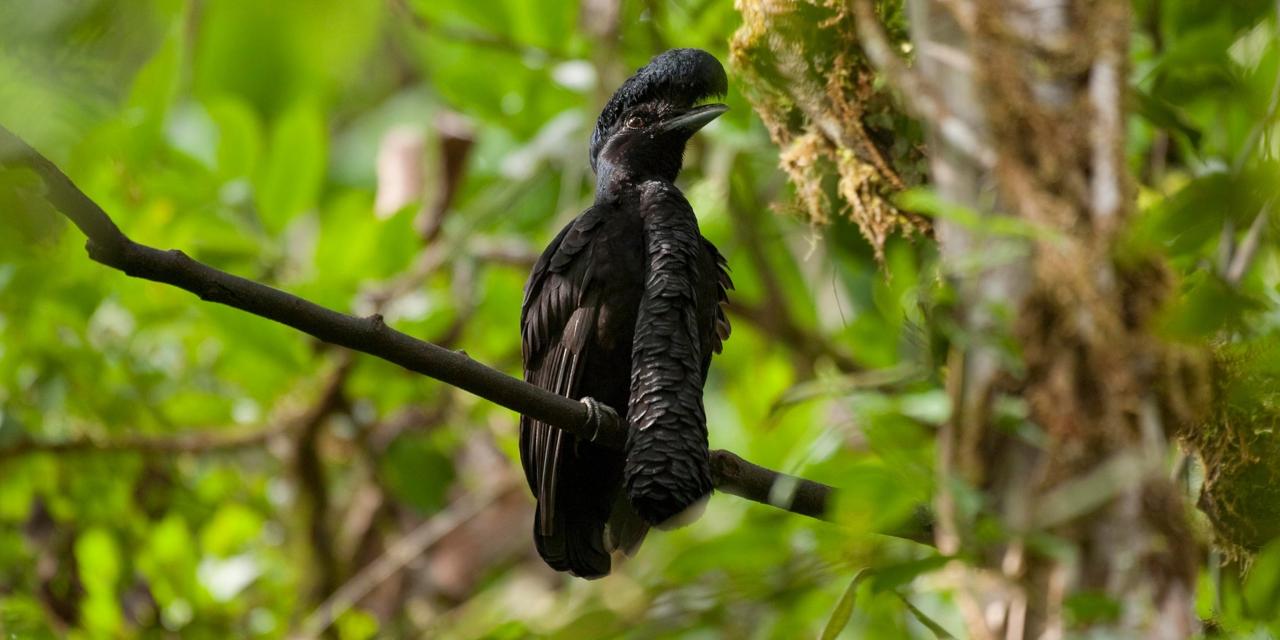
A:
(694, 119)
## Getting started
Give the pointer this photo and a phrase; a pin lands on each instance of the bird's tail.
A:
(585, 546)
(576, 546)
(587, 521)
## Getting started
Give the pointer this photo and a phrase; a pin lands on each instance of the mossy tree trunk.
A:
(1064, 403)
(1042, 86)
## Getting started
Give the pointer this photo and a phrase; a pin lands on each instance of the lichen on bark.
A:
(837, 128)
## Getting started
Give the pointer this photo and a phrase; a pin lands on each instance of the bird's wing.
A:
(720, 328)
(557, 321)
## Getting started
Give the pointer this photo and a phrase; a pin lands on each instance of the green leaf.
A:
(99, 562)
(1210, 306)
(417, 471)
(929, 623)
(927, 202)
(599, 623)
(1194, 63)
(357, 624)
(168, 561)
(239, 136)
(171, 541)
(258, 339)
(893, 576)
(1194, 216)
(874, 498)
(276, 53)
(24, 616)
(27, 211)
(1091, 607)
(844, 608)
(232, 527)
(157, 83)
(17, 490)
(289, 182)
(99, 559)
(1162, 114)
(1262, 586)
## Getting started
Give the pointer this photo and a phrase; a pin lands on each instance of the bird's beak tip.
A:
(696, 118)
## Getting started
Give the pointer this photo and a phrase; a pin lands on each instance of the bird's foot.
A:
(597, 413)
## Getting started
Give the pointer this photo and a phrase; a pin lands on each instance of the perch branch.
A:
(111, 247)
(751, 481)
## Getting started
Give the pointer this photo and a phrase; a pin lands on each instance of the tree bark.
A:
(1042, 84)
(1022, 103)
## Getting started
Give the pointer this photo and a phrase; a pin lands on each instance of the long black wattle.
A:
(667, 465)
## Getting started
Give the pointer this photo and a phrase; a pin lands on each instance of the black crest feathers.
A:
(679, 77)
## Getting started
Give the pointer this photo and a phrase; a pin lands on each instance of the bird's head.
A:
(643, 129)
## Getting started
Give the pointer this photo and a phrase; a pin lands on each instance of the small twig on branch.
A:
(109, 246)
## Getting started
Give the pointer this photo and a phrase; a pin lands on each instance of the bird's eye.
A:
(635, 122)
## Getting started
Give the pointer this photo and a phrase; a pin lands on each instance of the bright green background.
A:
(245, 133)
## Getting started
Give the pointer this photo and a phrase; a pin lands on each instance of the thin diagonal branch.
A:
(403, 551)
(109, 246)
(201, 442)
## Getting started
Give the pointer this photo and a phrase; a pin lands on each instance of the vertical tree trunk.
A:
(1035, 89)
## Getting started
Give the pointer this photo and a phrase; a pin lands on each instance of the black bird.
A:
(625, 306)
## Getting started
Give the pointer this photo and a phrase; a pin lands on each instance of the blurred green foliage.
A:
(247, 134)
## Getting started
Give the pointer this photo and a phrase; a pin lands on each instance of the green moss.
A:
(1239, 444)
